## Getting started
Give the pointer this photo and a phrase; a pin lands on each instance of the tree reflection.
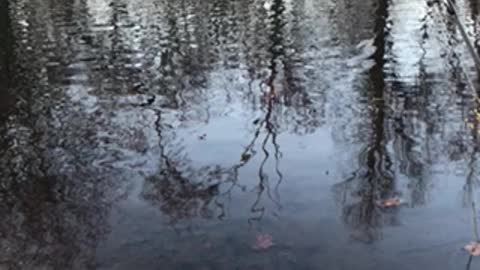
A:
(180, 190)
(374, 180)
(184, 192)
(54, 194)
(474, 10)
(6, 59)
(274, 57)
(270, 99)
(195, 188)
(89, 83)
(401, 112)
(406, 132)
(103, 61)
(471, 181)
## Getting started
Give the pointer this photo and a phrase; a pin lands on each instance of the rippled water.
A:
(165, 134)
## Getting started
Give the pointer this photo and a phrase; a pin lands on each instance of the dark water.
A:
(169, 134)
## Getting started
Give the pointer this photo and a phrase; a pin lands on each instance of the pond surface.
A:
(240, 134)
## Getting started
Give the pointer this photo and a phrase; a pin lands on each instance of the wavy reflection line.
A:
(263, 178)
(472, 181)
(255, 209)
(474, 10)
(178, 193)
(270, 98)
(178, 196)
(374, 179)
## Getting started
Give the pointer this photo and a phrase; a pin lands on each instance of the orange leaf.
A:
(473, 248)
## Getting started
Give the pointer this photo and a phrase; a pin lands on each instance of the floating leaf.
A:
(473, 248)
(263, 242)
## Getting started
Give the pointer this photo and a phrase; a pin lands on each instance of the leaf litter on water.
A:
(263, 242)
(473, 248)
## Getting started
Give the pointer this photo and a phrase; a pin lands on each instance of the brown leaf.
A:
(473, 248)
(263, 242)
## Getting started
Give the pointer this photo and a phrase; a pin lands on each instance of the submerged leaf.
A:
(263, 242)
(473, 248)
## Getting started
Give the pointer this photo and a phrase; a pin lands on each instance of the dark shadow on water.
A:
(6, 61)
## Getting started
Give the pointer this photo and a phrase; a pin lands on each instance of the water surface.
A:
(164, 134)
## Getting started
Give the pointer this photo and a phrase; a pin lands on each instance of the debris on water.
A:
(473, 248)
(202, 137)
(263, 242)
(389, 203)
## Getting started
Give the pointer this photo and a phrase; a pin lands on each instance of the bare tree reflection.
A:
(181, 191)
(274, 58)
(374, 180)
(279, 89)
(6, 59)
(270, 98)
(474, 11)
(184, 192)
(406, 131)
(472, 182)
(66, 128)
(55, 195)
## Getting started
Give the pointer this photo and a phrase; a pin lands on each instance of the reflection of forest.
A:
(375, 179)
(77, 66)
(5, 59)
(408, 113)
(71, 72)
